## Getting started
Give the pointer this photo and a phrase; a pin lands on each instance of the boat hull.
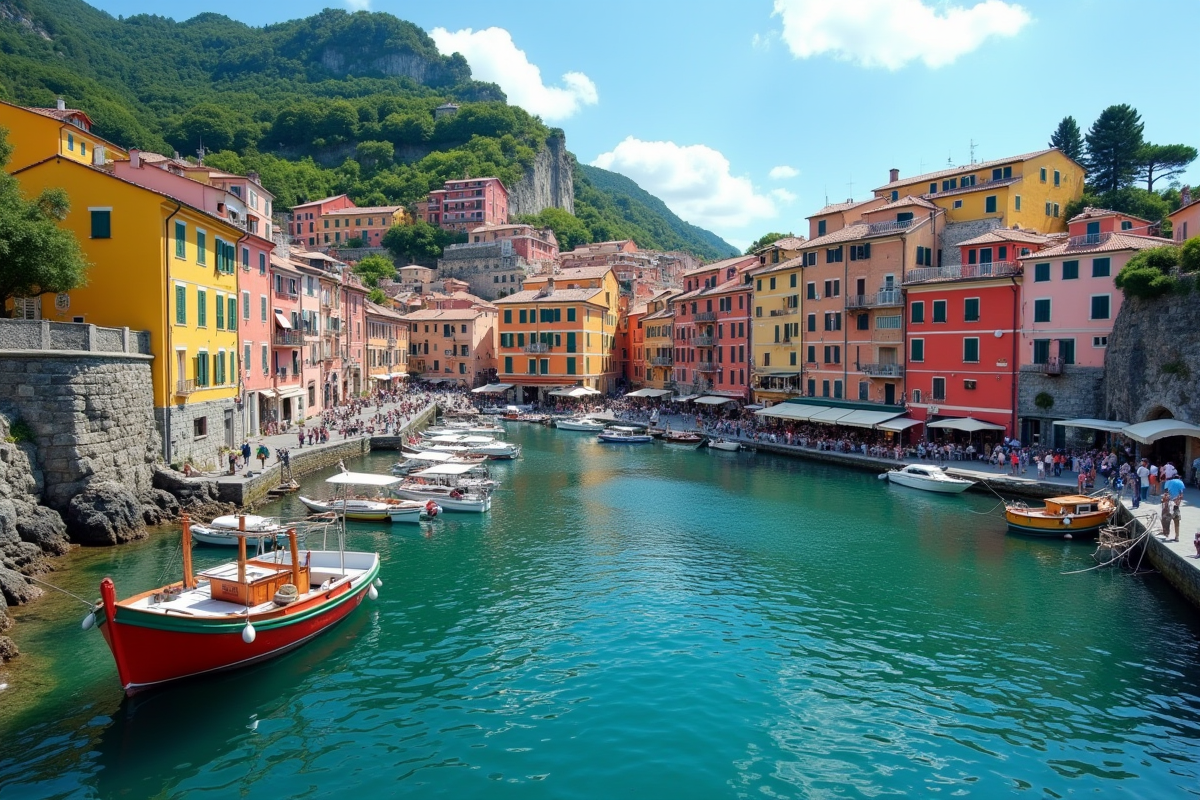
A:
(638, 439)
(152, 650)
(567, 425)
(730, 447)
(219, 538)
(924, 484)
(447, 503)
(1083, 526)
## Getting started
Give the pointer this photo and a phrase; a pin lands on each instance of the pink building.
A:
(354, 303)
(285, 402)
(1185, 222)
(466, 204)
(530, 243)
(712, 329)
(305, 219)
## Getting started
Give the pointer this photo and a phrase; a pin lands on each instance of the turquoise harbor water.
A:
(652, 622)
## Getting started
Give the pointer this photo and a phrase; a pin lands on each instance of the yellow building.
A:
(776, 329)
(561, 330)
(659, 341)
(1030, 190)
(159, 265)
(36, 133)
(387, 345)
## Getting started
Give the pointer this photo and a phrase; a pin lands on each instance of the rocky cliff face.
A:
(1153, 360)
(549, 183)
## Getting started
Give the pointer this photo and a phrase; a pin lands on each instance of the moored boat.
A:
(579, 424)
(623, 434)
(378, 510)
(448, 486)
(928, 478)
(681, 437)
(724, 444)
(1072, 516)
(223, 531)
(231, 615)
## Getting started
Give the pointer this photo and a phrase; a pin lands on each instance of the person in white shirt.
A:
(1143, 473)
(1154, 490)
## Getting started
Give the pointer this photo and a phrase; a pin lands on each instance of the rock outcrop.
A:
(548, 183)
(1153, 360)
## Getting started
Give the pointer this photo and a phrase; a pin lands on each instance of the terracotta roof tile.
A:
(557, 296)
(1007, 235)
(833, 208)
(945, 173)
(1110, 243)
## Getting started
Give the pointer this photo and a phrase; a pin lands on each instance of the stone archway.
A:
(1176, 449)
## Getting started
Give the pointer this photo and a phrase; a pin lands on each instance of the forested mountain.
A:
(336, 102)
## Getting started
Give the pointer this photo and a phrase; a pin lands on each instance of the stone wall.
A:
(548, 183)
(488, 267)
(956, 232)
(1153, 360)
(1078, 394)
(178, 422)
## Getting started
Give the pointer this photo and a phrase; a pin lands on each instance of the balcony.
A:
(284, 294)
(889, 227)
(887, 335)
(1089, 240)
(884, 298)
(289, 339)
(286, 375)
(537, 347)
(661, 361)
(329, 357)
(882, 370)
(784, 312)
(704, 341)
(185, 387)
(994, 269)
(391, 343)
(706, 366)
(705, 316)
(1053, 367)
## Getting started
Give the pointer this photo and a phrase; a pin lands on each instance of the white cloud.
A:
(693, 180)
(494, 57)
(783, 195)
(359, 5)
(891, 33)
(783, 172)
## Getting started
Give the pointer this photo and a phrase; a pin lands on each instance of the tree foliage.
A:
(36, 254)
(1114, 148)
(1068, 139)
(374, 268)
(420, 243)
(764, 240)
(568, 229)
(1163, 162)
(1150, 273)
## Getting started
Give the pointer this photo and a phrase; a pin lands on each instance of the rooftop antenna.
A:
(851, 185)
(200, 152)
(826, 194)
(949, 159)
(972, 150)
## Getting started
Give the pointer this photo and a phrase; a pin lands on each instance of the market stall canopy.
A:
(867, 419)
(686, 397)
(649, 393)
(578, 391)
(283, 321)
(965, 424)
(714, 401)
(1093, 424)
(1150, 432)
(753, 407)
(493, 388)
(362, 479)
(897, 425)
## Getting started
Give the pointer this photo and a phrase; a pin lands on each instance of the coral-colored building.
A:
(1185, 221)
(457, 345)
(466, 204)
(304, 223)
(530, 243)
(712, 329)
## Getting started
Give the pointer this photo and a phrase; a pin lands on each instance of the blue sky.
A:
(745, 116)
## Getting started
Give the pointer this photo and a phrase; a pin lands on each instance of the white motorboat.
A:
(622, 434)
(415, 460)
(580, 424)
(448, 486)
(223, 531)
(724, 444)
(379, 510)
(928, 478)
(497, 451)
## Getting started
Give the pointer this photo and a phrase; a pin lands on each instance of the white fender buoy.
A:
(373, 593)
(378, 583)
(89, 621)
(1068, 536)
(249, 634)
(1067, 521)
(882, 476)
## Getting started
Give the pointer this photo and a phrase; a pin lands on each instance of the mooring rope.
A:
(88, 603)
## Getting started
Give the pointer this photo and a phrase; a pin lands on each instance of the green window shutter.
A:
(990, 204)
(939, 310)
(570, 341)
(1041, 273)
(571, 365)
(231, 317)
(971, 309)
(970, 349)
(522, 316)
(1041, 310)
(1070, 270)
(520, 340)
(101, 224)
(180, 240)
(508, 316)
(570, 315)
(508, 365)
(918, 350)
(1101, 267)
(220, 313)
(181, 305)
(917, 312)
(201, 308)
(558, 315)
(201, 247)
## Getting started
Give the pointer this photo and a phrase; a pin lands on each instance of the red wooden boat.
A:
(232, 615)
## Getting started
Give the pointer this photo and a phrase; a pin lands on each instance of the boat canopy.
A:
(447, 469)
(897, 425)
(965, 424)
(1150, 432)
(493, 388)
(429, 455)
(867, 419)
(623, 428)
(714, 401)
(362, 479)
(1093, 424)
(649, 393)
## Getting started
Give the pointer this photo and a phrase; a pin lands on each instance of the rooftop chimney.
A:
(98, 155)
(893, 175)
(60, 104)
(253, 176)
(135, 158)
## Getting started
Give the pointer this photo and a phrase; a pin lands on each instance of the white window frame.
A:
(1100, 342)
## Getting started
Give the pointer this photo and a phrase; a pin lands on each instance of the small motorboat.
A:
(724, 444)
(372, 510)
(621, 434)
(680, 437)
(580, 424)
(448, 486)
(928, 478)
(1072, 516)
(225, 531)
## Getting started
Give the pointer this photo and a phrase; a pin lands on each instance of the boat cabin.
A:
(1071, 504)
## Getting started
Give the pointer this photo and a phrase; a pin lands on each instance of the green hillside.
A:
(336, 102)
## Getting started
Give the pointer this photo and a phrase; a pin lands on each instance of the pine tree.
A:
(1068, 139)
(1114, 148)
(1163, 161)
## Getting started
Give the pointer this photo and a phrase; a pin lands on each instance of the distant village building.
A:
(530, 243)
(445, 110)
(304, 223)
(490, 269)
(455, 345)
(367, 224)
(463, 205)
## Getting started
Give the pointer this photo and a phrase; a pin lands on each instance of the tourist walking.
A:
(263, 454)
(1143, 475)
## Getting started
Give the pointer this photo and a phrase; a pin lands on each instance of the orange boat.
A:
(1073, 516)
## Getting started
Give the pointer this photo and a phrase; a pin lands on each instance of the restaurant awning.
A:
(683, 398)
(1152, 431)
(792, 411)
(649, 393)
(867, 419)
(897, 425)
(714, 401)
(493, 388)
(965, 424)
(1093, 424)
(753, 407)
(282, 320)
(577, 391)
(830, 416)
(291, 391)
